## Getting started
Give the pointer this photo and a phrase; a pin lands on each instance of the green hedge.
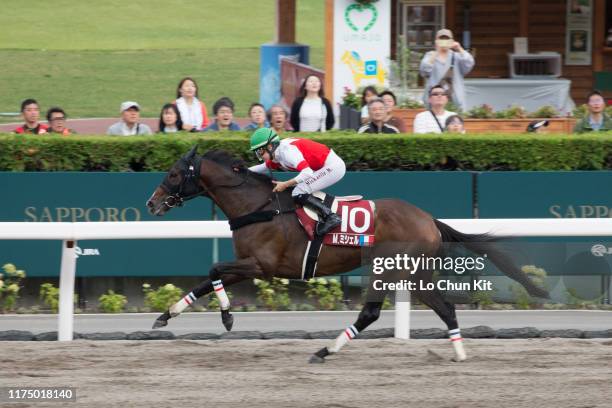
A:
(360, 152)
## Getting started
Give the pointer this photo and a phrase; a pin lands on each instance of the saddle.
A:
(356, 230)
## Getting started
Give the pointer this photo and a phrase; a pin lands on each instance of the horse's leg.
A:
(446, 312)
(233, 271)
(368, 315)
(204, 288)
(246, 268)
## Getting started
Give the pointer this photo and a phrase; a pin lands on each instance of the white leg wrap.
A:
(221, 295)
(457, 340)
(344, 337)
(177, 308)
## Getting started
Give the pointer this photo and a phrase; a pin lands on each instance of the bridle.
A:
(190, 176)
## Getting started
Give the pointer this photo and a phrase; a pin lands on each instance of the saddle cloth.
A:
(357, 228)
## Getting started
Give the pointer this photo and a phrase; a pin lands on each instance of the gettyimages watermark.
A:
(410, 265)
(572, 272)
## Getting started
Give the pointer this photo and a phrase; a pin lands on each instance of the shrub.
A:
(546, 111)
(326, 293)
(274, 294)
(480, 112)
(161, 298)
(112, 302)
(10, 286)
(385, 152)
(522, 298)
(49, 294)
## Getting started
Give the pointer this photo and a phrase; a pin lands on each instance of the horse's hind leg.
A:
(368, 315)
(446, 312)
(204, 288)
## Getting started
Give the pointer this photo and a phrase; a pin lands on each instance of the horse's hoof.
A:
(227, 319)
(159, 323)
(314, 359)
(162, 320)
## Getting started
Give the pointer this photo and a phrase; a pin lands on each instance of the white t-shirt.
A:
(312, 115)
(424, 122)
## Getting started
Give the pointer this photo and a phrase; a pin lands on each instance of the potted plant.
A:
(350, 114)
(515, 119)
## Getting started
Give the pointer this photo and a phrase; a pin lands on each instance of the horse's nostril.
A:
(149, 204)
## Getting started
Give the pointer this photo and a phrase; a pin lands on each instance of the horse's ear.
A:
(192, 152)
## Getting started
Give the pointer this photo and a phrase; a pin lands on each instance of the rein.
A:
(191, 175)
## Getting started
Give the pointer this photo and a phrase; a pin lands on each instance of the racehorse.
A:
(269, 241)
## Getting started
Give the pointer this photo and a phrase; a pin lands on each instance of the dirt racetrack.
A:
(275, 373)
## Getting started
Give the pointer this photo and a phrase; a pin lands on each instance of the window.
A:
(418, 22)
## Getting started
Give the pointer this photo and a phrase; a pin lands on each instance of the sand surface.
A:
(275, 373)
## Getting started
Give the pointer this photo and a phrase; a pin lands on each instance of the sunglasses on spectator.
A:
(58, 118)
(438, 94)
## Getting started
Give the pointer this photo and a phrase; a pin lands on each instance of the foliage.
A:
(10, 286)
(484, 298)
(522, 298)
(327, 293)
(112, 302)
(49, 294)
(481, 112)
(410, 103)
(385, 152)
(213, 300)
(404, 70)
(161, 298)
(577, 301)
(351, 99)
(513, 112)
(545, 112)
(273, 295)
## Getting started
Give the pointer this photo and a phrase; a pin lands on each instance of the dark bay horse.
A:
(269, 241)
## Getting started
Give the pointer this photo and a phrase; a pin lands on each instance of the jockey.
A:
(318, 166)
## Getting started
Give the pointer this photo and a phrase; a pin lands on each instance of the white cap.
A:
(127, 105)
(445, 32)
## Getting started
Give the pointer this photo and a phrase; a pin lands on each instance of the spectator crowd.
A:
(443, 70)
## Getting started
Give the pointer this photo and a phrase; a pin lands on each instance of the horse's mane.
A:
(226, 159)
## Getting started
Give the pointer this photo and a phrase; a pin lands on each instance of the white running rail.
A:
(71, 232)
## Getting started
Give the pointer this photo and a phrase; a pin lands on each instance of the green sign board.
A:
(73, 197)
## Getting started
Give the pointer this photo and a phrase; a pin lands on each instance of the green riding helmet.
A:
(261, 138)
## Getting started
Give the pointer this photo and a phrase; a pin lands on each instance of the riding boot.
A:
(329, 219)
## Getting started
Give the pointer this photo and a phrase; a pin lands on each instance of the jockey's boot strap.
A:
(330, 220)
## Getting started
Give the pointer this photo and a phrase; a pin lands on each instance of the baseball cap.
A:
(445, 32)
(127, 105)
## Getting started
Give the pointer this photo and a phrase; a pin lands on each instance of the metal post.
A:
(402, 314)
(66, 291)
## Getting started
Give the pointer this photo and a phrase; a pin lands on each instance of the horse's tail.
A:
(482, 244)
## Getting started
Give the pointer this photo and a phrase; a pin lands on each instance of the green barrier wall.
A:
(69, 197)
(577, 194)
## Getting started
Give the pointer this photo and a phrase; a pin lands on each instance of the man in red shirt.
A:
(31, 114)
(318, 166)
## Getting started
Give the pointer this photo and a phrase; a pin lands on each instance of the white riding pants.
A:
(331, 172)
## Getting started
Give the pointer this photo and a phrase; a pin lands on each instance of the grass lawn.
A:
(89, 56)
